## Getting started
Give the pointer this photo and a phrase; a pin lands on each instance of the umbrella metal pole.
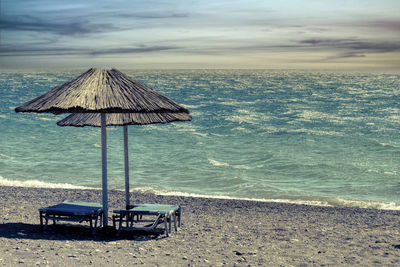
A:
(126, 165)
(104, 168)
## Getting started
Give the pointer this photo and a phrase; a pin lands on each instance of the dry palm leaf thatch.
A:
(119, 119)
(101, 91)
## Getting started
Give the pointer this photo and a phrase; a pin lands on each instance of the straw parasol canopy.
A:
(103, 91)
(123, 119)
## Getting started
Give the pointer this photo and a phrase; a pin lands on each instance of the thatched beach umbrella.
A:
(102, 91)
(123, 119)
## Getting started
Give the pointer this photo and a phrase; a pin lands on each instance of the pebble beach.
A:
(214, 232)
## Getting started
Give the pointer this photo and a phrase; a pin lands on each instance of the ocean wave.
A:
(323, 202)
(340, 202)
(313, 115)
(315, 132)
(386, 145)
(238, 103)
(200, 134)
(196, 114)
(217, 163)
(46, 119)
(193, 106)
(6, 156)
(242, 129)
(391, 172)
(243, 167)
(38, 184)
(225, 164)
(248, 118)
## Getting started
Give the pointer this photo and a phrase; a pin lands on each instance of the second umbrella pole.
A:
(126, 166)
(104, 168)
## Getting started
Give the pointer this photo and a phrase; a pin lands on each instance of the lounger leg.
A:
(120, 224)
(41, 220)
(95, 224)
(176, 228)
(132, 220)
(179, 216)
(46, 222)
(169, 222)
(165, 224)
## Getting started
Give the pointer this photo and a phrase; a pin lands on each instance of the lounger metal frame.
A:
(56, 213)
(164, 215)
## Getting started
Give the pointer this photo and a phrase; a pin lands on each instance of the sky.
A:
(191, 34)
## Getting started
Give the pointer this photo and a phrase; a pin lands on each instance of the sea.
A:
(307, 137)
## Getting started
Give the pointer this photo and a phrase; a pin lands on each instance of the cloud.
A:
(347, 55)
(76, 26)
(390, 25)
(351, 44)
(132, 50)
(37, 51)
(153, 15)
(63, 51)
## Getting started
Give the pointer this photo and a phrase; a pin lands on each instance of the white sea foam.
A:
(243, 167)
(391, 173)
(225, 164)
(362, 204)
(4, 156)
(385, 144)
(46, 119)
(200, 134)
(186, 127)
(196, 114)
(312, 115)
(238, 103)
(217, 163)
(153, 127)
(192, 106)
(242, 129)
(326, 202)
(249, 118)
(316, 132)
(38, 184)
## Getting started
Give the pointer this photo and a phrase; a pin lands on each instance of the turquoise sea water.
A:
(306, 137)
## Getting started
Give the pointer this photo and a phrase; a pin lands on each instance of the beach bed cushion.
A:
(164, 213)
(72, 211)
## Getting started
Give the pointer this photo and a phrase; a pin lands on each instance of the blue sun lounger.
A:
(72, 212)
(163, 213)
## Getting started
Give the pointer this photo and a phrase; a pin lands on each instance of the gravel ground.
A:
(214, 232)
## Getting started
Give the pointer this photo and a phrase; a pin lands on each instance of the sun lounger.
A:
(163, 214)
(72, 212)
